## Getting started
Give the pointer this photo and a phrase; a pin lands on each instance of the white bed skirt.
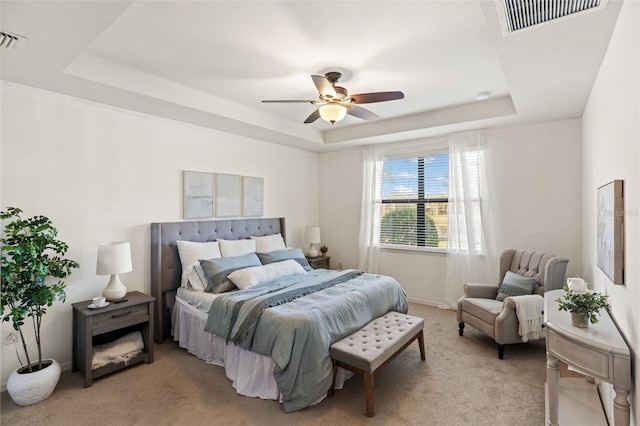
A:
(250, 373)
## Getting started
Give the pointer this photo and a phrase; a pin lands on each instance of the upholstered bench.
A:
(373, 346)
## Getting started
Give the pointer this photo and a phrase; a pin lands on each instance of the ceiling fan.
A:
(335, 102)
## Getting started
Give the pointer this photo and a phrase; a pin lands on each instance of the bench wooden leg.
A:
(421, 343)
(368, 393)
(333, 382)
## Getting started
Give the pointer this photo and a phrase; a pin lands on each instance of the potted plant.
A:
(584, 306)
(323, 250)
(32, 274)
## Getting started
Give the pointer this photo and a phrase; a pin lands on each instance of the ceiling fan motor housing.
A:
(333, 76)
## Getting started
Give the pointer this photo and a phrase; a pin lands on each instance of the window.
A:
(414, 201)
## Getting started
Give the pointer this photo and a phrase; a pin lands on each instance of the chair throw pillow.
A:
(515, 285)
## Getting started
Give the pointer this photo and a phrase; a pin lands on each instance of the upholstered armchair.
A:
(479, 307)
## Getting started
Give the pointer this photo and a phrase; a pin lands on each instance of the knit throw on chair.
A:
(529, 309)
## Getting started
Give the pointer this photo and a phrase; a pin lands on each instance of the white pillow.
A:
(194, 277)
(254, 275)
(230, 248)
(190, 253)
(269, 243)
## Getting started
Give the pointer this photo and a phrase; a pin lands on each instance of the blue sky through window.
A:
(400, 177)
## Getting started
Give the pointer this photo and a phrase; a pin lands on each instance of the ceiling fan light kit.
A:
(333, 112)
(335, 103)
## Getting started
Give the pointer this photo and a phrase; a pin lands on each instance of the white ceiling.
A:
(212, 62)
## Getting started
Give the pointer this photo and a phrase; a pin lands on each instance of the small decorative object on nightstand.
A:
(319, 262)
(99, 325)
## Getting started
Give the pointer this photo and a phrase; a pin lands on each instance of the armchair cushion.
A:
(515, 285)
(485, 309)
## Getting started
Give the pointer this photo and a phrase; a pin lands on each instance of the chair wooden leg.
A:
(368, 393)
(500, 351)
(460, 328)
(421, 344)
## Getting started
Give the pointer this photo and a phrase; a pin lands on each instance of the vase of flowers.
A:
(323, 250)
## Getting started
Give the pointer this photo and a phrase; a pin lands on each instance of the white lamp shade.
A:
(114, 258)
(333, 112)
(312, 234)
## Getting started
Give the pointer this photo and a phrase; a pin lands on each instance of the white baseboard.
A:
(427, 302)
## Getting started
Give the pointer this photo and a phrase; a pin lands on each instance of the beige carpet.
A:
(462, 382)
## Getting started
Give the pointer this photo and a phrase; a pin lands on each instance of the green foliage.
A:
(324, 249)
(30, 254)
(587, 305)
(400, 227)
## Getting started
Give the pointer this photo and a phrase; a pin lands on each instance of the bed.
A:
(254, 364)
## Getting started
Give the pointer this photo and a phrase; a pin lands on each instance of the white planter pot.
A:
(31, 388)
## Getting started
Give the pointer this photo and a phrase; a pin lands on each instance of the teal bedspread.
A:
(295, 319)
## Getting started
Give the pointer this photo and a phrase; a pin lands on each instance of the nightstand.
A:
(319, 262)
(98, 326)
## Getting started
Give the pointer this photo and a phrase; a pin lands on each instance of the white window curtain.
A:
(369, 240)
(472, 240)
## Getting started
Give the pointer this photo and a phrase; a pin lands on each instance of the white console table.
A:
(598, 351)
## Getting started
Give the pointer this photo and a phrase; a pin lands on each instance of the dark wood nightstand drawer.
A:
(121, 318)
(319, 262)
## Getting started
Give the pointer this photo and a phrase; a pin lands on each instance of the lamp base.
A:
(313, 250)
(114, 290)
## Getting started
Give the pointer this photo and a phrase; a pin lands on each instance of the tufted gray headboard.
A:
(165, 262)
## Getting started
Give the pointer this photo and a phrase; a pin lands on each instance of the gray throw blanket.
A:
(294, 320)
(257, 305)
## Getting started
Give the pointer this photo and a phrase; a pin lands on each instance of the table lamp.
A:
(312, 236)
(114, 259)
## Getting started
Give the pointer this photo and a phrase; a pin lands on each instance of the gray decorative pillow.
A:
(217, 270)
(515, 285)
(280, 255)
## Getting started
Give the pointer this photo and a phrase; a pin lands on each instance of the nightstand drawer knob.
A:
(124, 314)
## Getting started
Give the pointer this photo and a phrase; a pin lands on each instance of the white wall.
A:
(103, 174)
(535, 172)
(611, 140)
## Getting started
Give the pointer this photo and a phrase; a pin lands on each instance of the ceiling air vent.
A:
(10, 41)
(519, 14)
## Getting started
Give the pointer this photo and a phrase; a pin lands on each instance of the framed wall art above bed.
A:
(228, 195)
(252, 196)
(197, 190)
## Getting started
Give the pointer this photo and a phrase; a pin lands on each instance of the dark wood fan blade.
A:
(368, 98)
(313, 117)
(287, 101)
(360, 112)
(324, 87)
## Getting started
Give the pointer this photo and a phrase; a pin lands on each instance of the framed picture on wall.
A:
(610, 239)
(197, 191)
(228, 195)
(252, 194)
